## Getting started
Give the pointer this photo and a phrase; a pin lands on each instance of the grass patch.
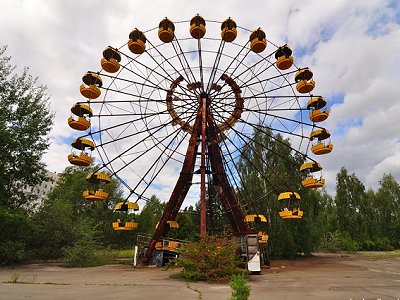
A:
(377, 254)
(114, 256)
(15, 277)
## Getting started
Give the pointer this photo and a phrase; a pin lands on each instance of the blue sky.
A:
(352, 47)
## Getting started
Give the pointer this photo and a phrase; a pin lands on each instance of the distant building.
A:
(41, 190)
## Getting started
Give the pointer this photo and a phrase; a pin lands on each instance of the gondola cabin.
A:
(321, 144)
(82, 114)
(304, 81)
(255, 218)
(127, 226)
(228, 30)
(110, 61)
(82, 158)
(258, 41)
(137, 41)
(91, 84)
(284, 58)
(98, 178)
(92, 195)
(166, 30)
(262, 238)
(171, 224)
(197, 27)
(291, 209)
(312, 181)
(126, 206)
(316, 105)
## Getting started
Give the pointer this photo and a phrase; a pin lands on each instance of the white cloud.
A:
(352, 48)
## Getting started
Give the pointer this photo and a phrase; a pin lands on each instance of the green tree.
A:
(64, 211)
(387, 210)
(25, 121)
(352, 205)
(268, 166)
(150, 216)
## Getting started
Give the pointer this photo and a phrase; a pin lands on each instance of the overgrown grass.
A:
(115, 256)
(82, 257)
(378, 254)
(15, 277)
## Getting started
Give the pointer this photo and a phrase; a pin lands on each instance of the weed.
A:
(15, 276)
(240, 288)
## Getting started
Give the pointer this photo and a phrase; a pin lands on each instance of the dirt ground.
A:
(324, 276)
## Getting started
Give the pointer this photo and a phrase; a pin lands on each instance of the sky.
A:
(353, 48)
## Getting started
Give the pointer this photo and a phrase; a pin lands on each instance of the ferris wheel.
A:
(176, 105)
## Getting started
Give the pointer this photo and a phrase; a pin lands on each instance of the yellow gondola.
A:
(111, 59)
(228, 30)
(284, 58)
(255, 218)
(316, 104)
(310, 180)
(128, 226)
(83, 158)
(126, 206)
(320, 147)
(172, 245)
(291, 199)
(197, 27)
(166, 30)
(258, 41)
(167, 245)
(82, 144)
(171, 223)
(91, 84)
(98, 177)
(262, 238)
(137, 41)
(98, 195)
(305, 84)
(83, 111)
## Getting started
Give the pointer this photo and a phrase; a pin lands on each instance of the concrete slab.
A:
(324, 276)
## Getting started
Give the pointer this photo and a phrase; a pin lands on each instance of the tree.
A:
(65, 212)
(352, 205)
(387, 209)
(267, 167)
(25, 121)
(150, 215)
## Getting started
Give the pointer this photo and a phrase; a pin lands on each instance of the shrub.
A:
(338, 241)
(240, 288)
(383, 244)
(12, 252)
(212, 259)
(82, 254)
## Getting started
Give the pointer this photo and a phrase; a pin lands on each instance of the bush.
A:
(212, 259)
(240, 288)
(378, 244)
(82, 254)
(16, 232)
(12, 252)
(338, 241)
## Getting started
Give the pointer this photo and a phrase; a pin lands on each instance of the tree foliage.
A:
(210, 259)
(25, 120)
(268, 167)
(65, 212)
